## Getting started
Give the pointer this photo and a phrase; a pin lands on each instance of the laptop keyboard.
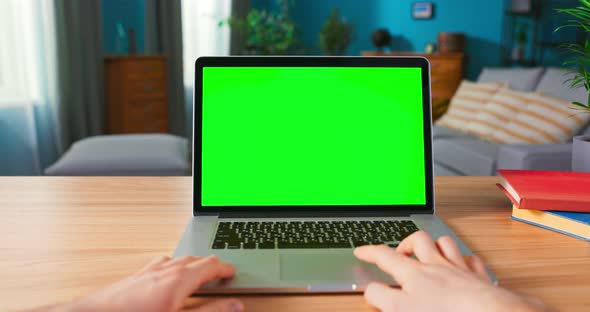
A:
(310, 234)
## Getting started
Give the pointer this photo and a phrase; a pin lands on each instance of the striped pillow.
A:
(466, 102)
(497, 112)
(543, 120)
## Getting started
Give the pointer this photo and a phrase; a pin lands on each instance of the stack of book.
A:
(555, 200)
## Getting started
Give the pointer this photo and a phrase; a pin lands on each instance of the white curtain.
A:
(27, 82)
(201, 33)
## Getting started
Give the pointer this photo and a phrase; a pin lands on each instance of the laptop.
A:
(297, 160)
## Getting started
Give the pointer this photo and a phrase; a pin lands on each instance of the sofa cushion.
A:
(467, 156)
(553, 83)
(522, 79)
(535, 157)
(440, 170)
(585, 131)
(439, 131)
(466, 102)
(121, 155)
(544, 120)
(497, 112)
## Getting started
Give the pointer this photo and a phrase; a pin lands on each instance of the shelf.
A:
(551, 44)
(525, 14)
(527, 63)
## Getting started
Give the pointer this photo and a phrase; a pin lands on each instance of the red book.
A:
(547, 190)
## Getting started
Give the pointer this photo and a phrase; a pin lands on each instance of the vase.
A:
(451, 42)
(517, 54)
(581, 153)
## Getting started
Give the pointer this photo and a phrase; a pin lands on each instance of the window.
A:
(201, 33)
(19, 58)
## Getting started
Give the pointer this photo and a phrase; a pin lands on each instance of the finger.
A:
(475, 265)
(422, 246)
(385, 298)
(154, 264)
(180, 261)
(225, 305)
(392, 263)
(203, 271)
(449, 249)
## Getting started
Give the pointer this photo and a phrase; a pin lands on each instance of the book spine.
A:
(554, 204)
(550, 228)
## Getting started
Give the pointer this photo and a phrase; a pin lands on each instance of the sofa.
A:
(458, 153)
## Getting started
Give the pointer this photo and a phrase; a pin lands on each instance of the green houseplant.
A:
(336, 34)
(521, 39)
(578, 66)
(266, 32)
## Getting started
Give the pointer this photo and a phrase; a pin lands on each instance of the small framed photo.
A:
(422, 10)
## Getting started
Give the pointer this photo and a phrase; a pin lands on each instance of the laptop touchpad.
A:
(326, 267)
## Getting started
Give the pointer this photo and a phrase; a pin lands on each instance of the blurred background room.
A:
(104, 87)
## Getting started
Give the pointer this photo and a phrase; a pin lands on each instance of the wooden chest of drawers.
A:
(446, 73)
(136, 95)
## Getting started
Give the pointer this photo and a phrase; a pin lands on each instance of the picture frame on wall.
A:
(422, 10)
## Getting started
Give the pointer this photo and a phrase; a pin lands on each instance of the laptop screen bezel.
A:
(290, 61)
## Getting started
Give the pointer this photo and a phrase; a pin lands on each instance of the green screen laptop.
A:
(297, 160)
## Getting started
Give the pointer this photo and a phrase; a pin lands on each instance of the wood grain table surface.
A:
(63, 237)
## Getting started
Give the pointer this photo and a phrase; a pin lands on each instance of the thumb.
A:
(225, 305)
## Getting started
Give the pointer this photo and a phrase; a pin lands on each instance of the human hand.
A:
(163, 285)
(440, 280)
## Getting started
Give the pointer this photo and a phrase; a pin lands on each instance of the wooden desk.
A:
(61, 238)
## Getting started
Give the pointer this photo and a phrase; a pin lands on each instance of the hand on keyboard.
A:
(441, 279)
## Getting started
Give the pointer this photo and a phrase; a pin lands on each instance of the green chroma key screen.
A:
(312, 136)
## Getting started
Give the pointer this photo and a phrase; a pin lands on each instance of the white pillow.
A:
(466, 103)
(544, 120)
(497, 112)
(124, 155)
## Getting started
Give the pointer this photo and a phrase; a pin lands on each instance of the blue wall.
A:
(131, 13)
(481, 21)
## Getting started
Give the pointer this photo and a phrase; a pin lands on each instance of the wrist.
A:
(78, 305)
(501, 299)
(526, 304)
(528, 307)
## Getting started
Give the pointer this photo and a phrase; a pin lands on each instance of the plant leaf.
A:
(581, 105)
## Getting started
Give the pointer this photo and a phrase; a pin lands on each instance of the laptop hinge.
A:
(313, 214)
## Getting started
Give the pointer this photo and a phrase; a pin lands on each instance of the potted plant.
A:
(336, 34)
(578, 66)
(521, 39)
(266, 32)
